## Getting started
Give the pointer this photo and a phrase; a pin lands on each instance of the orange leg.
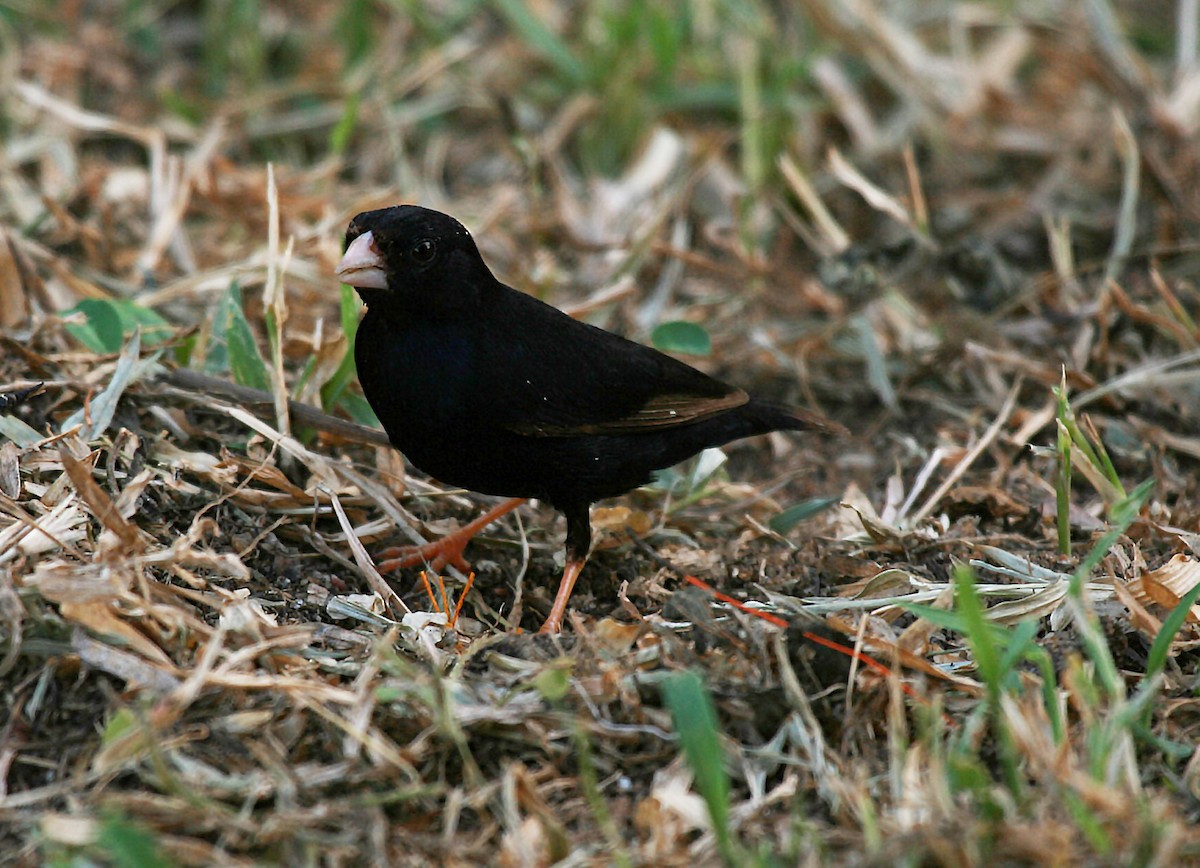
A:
(559, 609)
(578, 545)
(448, 549)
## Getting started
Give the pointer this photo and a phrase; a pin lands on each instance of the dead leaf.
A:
(615, 636)
(888, 583)
(615, 519)
(1167, 585)
(99, 617)
(983, 500)
(10, 469)
(1138, 614)
(99, 501)
(14, 303)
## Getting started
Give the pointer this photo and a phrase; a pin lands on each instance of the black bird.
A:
(487, 388)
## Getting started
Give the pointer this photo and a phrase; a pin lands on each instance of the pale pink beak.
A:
(362, 266)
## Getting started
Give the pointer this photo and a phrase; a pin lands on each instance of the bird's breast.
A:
(417, 378)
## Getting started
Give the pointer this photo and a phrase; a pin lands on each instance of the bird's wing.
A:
(556, 377)
(662, 411)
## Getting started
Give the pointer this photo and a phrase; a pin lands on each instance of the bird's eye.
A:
(424, 251)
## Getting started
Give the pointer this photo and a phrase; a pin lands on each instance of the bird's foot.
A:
(436, 554)
(559, 609)
(447, 550)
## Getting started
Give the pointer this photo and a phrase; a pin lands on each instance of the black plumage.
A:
(487, 388)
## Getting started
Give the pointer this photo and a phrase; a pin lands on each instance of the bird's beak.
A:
(362, 266)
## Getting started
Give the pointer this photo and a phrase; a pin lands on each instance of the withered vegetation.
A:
(966, 231)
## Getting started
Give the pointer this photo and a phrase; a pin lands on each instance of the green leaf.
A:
(245, 361)
(682, 337)
(118, 726)
(133, 316)
(107, 322)
(101, 331)
(801, 511)
(334, 389)
(129, 845)
(348, 308)
(358, 408)
(215, 349)
(184, 349)
(553, 682)
(696, 723)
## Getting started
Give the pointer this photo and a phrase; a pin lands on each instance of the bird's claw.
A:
(447, 550)
(436, 554)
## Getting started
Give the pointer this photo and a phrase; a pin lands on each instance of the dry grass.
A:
(967, 232)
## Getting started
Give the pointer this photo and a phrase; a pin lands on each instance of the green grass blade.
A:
(542, 40)
(977, 628)
(1062, 490)
(1157, 658)
(1123, 514)
(696, 723)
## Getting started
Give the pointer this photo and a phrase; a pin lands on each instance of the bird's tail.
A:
(780, 417)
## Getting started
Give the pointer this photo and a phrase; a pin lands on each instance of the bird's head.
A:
(410, 255)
